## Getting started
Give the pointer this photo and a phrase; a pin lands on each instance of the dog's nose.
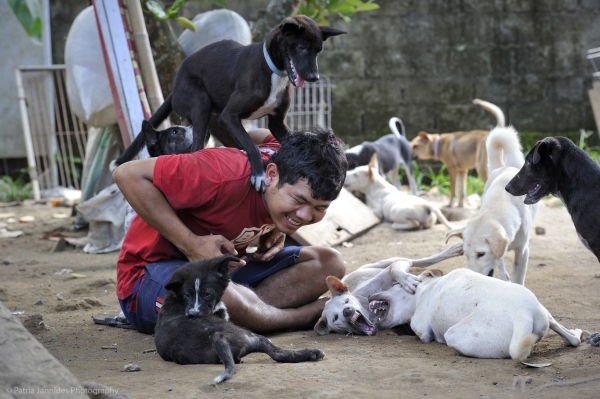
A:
(312, 77)
(348, 312)
(193, 312)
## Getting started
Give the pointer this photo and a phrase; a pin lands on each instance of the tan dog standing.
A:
(459, 151)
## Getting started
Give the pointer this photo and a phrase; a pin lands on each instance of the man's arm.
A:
(135, 179)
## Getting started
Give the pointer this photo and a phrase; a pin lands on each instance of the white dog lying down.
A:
(348, 312)
(503, 222)
(405, 212)
(477, 315)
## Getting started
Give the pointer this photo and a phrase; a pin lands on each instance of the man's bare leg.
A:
(288, 299)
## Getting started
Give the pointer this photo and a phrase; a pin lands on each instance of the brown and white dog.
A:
(459, 151)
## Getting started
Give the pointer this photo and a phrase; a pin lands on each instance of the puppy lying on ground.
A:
(503, 222)
(193, 326)
(476, 315)
(459, 151)
(348, 309)
(555, 165)
(392, 150)
(405, 212)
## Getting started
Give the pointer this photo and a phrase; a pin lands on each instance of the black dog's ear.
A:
(223, 264)
(289, 25)
(175, 282)
(327, 32)
(543, 148)
(150, 134)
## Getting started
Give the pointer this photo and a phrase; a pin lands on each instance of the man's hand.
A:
(269, 247)
(210, 247)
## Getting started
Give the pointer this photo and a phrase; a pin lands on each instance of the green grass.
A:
(14, 190)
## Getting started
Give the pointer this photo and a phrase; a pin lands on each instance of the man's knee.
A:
(330, 260)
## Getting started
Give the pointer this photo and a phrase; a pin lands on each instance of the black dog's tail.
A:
(138, 143)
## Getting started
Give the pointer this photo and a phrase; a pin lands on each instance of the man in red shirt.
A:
(201, 205)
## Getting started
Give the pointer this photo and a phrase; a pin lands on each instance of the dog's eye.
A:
(302, 46)
(480, 255)
(335, 318)
(346, 301)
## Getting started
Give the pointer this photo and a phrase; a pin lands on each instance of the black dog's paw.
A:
(258, 181)
(316, 354)
(594, 339)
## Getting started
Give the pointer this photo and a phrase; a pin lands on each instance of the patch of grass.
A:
(14, 190)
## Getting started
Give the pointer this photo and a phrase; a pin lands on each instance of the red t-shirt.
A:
(211, 193)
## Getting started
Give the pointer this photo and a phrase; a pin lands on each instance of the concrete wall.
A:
(425, 60)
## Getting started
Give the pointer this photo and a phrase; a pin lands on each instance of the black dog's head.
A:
(173, 140)
(200, 285)
(536, 179)
(300, 41)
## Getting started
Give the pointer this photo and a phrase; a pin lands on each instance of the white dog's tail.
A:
(494, 110)
(521, 349)
(440, 216)
(504, 149)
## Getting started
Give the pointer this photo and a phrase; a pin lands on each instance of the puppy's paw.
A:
(594, 339)
(258, 182)
(316, 354)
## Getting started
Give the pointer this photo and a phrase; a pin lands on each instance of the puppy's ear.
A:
(458, 232)
(175, 282)
(328, 32)
(373, 164)
(498, 242)
(336, 286)
(432, 273)
(223, 264)
(424, 137)
(321, 327)
(150, 134)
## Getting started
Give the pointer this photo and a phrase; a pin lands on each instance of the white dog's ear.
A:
(373, 164)
(498, 242)
(455, 232)
(432, 273)
(336, 286)
(321, 327)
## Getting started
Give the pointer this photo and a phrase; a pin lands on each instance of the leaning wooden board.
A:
(346, 219)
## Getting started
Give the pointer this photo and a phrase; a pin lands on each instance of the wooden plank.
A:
(594, 94)
(346, 219)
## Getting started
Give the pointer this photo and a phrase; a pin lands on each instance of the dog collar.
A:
(436, 147)
(270, 62)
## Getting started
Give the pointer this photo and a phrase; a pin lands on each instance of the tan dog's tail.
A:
(504, 149)
(494, 110)
(520, 350)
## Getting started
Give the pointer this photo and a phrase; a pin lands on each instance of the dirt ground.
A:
(562, 273)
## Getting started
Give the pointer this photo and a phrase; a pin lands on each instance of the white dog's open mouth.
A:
(379, 308)
(362, 324)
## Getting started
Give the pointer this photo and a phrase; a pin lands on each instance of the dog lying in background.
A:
(193, 326)
(476, 315)
(405, 212)
(245, 82)
(459, 151)
(392, 150)
(555, 165)
(348, 309)
(504, 221)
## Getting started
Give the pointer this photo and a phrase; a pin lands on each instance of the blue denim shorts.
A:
(142, 307)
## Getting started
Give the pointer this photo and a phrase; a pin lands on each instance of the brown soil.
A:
(58, 310)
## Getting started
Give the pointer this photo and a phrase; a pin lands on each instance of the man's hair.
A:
(316, 156)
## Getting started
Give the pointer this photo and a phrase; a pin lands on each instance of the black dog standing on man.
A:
(555, 165)
(193, 326)
(243, 82)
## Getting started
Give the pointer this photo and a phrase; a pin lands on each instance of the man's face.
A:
(292, 206)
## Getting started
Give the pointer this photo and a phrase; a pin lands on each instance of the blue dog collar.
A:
(270, 62)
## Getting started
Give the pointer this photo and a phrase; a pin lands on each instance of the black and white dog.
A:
(555, 165)
(243, 82)
(392, 150)
(193, 326)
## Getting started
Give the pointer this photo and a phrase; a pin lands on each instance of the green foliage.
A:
(172, 13)
(593, 151)
(29, 14)
(14, 190)
(428, 179)
(321, 10)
